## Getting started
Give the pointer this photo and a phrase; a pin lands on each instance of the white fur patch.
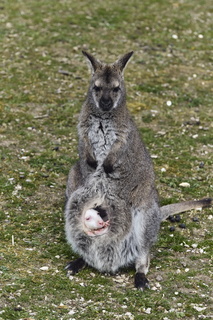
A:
(102, 136)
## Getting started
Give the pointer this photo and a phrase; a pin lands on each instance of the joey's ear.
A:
(121, 63)
(94, 64)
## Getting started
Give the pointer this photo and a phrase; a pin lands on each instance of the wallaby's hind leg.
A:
(74, 179)
(142, 267)
(76, 265)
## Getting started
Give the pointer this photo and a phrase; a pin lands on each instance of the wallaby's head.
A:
(107, 89)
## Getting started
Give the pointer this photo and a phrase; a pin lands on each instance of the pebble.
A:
(175, 36)
(148, 310)
(195, 136)
(195, 219)
(45, 268)
(201, 165)
(159, 278)
(184, 184)
(194, 245)
(172, 229)
(198, 308)
(18, 308)
(71, 312)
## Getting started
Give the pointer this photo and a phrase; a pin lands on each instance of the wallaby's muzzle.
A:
(106, 104)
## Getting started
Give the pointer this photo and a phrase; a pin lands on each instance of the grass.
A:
(39, 109)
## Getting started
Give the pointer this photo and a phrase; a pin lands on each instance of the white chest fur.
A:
(102, 136)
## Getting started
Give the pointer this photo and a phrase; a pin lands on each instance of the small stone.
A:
(18, 308)
(169, 103)
(195, 219)
(45, 268)
(172, 229)
(148, 310)
(9, 25)
(92, 274)
(199, 309)
(71, 312)
(182, 225)
(154, 288)
(201, 165)
(21, 175)
(194, 245)
(195, 136)
(184, 184)
(82, 284)
(159, 278)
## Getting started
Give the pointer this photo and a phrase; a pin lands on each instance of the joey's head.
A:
(107, 89)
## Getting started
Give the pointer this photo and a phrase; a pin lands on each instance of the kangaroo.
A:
(112, 215)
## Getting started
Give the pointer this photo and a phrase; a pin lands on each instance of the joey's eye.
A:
(116, 89)
(97, 89)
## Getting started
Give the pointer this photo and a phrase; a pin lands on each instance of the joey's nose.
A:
(106, 104)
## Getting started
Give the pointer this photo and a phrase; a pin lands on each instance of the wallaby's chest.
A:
(102, 135)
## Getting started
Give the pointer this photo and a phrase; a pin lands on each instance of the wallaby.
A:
(112, 212)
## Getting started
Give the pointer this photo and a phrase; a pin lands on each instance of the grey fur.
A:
(115, 172)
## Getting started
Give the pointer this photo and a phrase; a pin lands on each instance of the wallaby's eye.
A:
(116, 89)
(97, 89)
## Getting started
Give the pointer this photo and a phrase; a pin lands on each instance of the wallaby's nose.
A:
(106, 103)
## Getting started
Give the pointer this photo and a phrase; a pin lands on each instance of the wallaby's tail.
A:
(171, 209)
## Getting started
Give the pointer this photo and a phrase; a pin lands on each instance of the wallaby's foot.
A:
(75, 266)
(141, 282)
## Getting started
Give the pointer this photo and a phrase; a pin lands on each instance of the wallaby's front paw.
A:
(75, 266)
(141, 282)
(91, 161)
(108, 167)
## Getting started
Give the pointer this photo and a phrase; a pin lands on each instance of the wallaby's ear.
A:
(93, 63)
(121, 63)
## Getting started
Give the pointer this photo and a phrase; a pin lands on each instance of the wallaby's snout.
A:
(106, 103)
